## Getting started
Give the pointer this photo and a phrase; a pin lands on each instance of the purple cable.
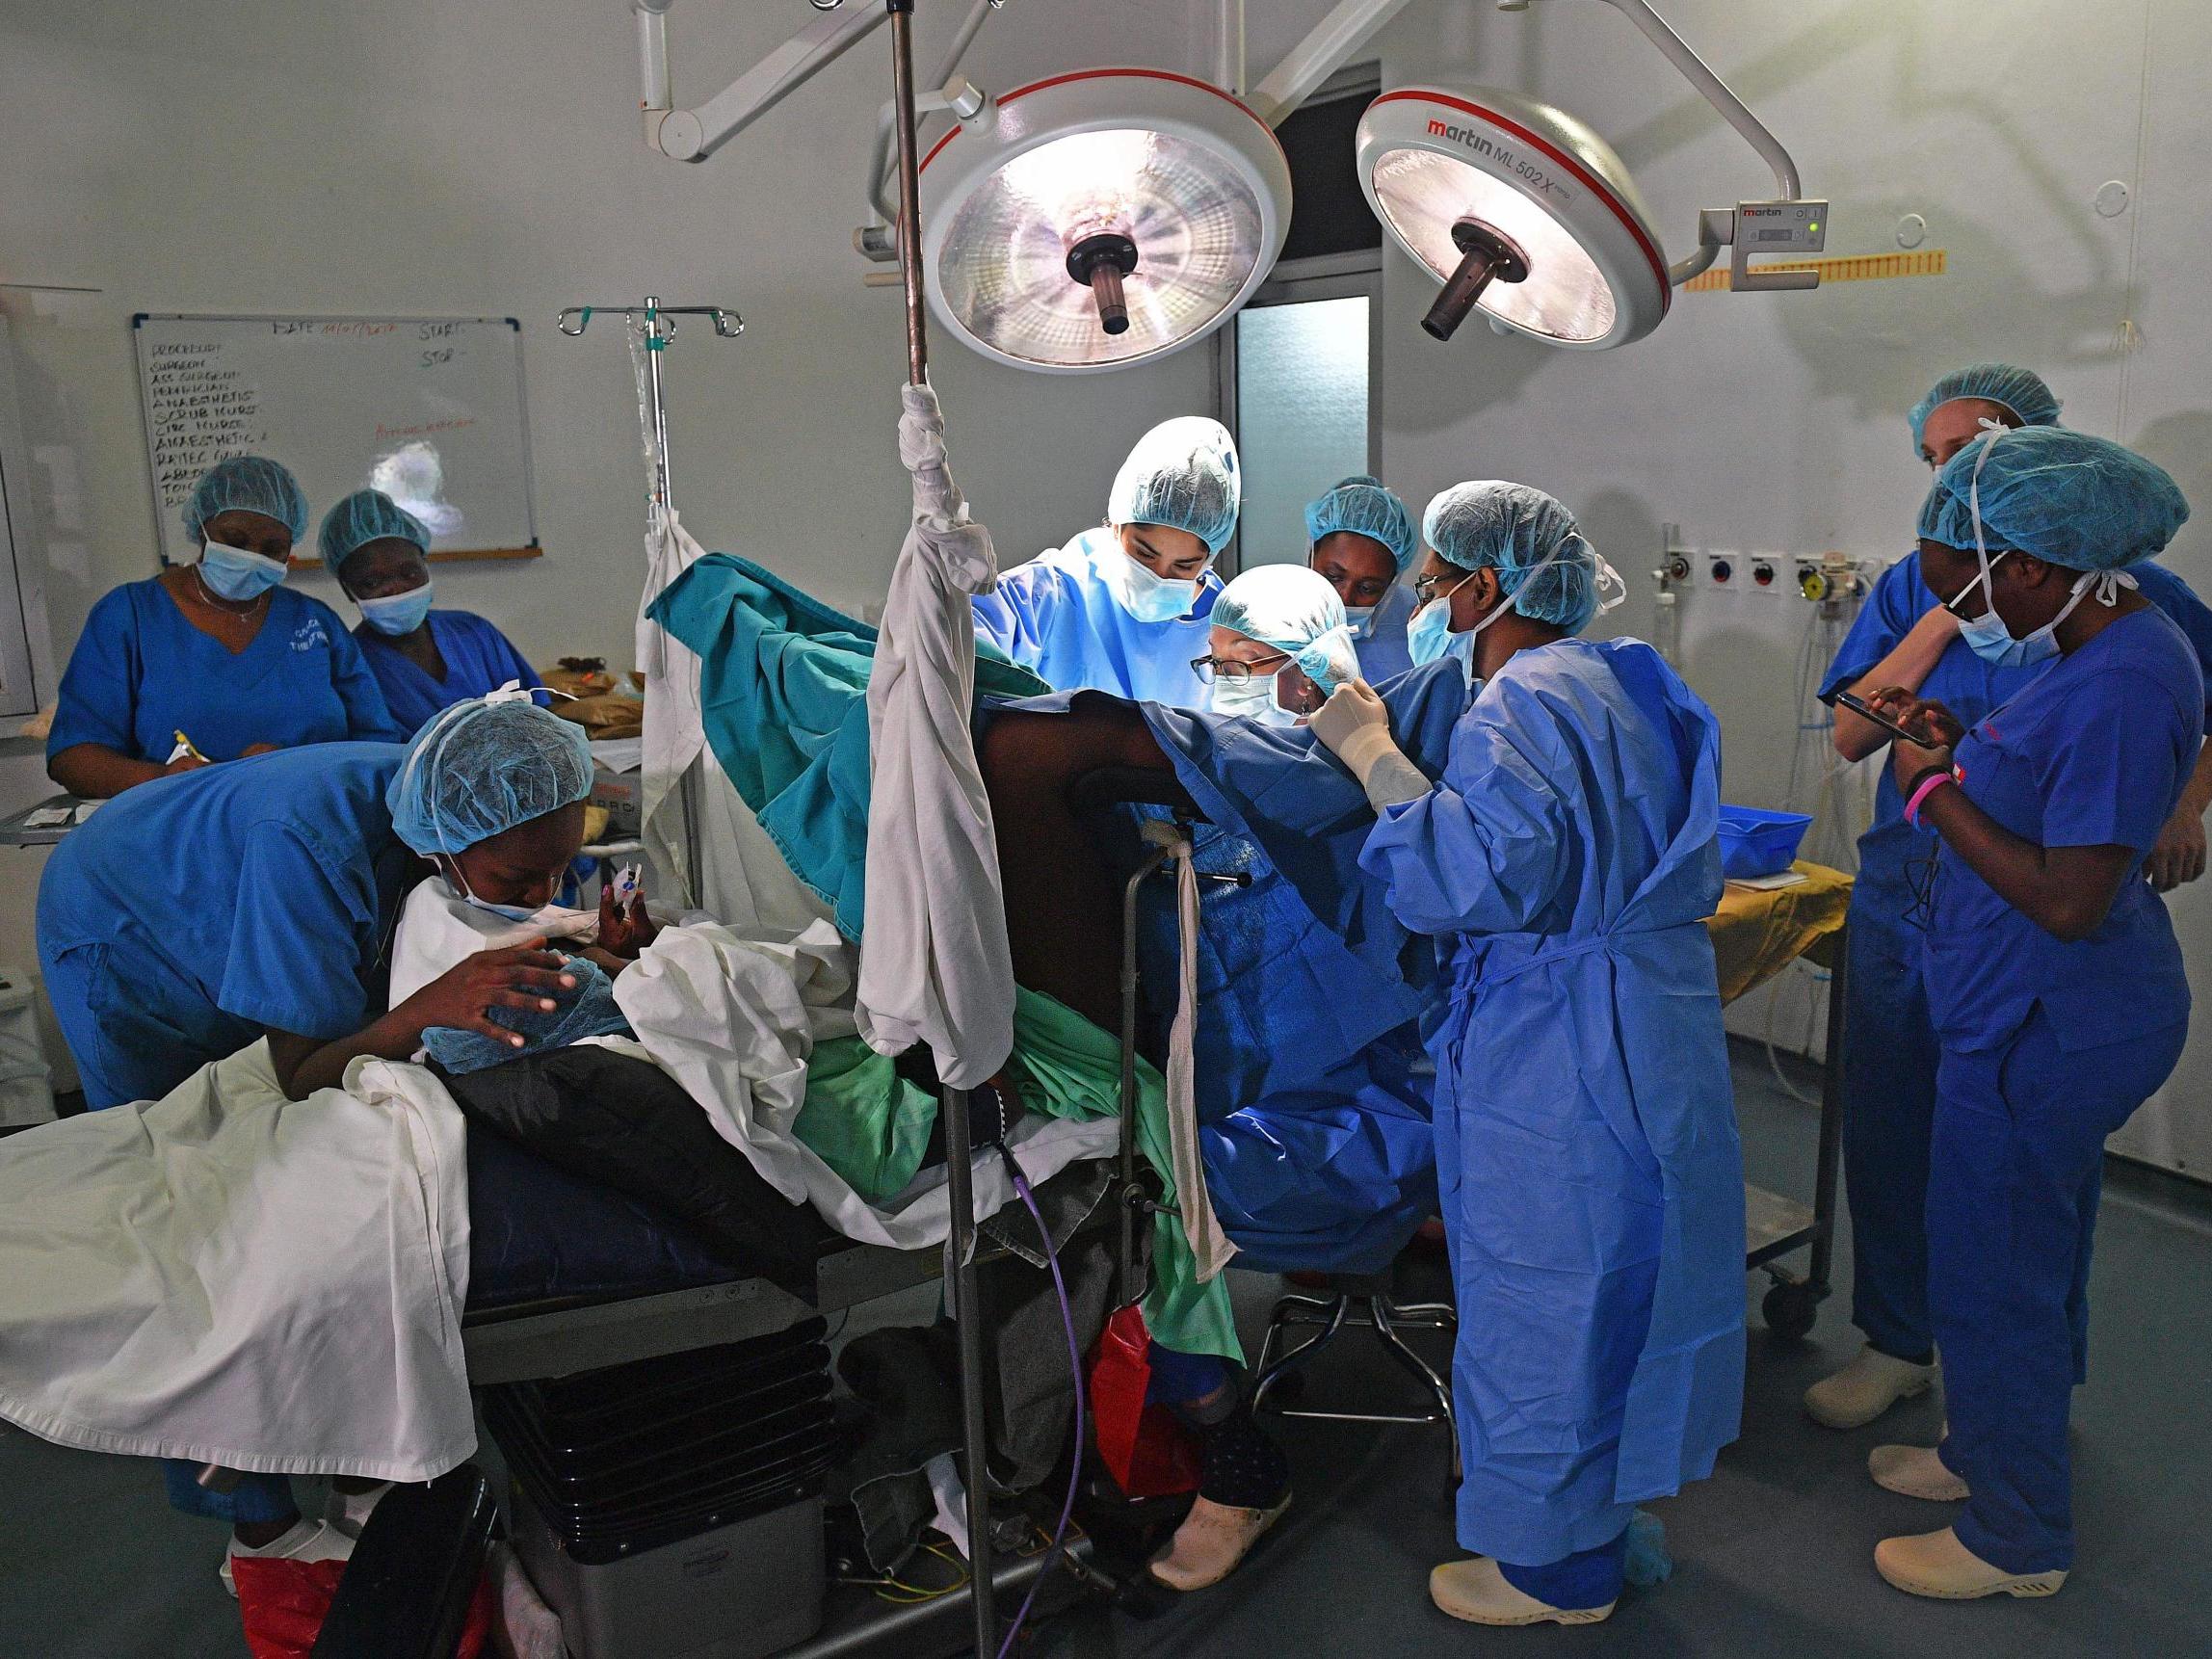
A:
(1075, 1366)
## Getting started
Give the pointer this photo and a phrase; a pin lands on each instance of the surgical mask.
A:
(397, 613)
(1361, 620)
(233, 573)
(1989, 638)
(550, 917)
(1428, 630)
(1145, 595)
(1251, 699)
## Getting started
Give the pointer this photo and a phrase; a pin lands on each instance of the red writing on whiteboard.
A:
(383, 431)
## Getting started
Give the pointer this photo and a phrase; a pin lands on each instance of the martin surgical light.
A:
(1525, 214)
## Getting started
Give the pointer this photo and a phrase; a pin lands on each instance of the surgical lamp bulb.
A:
(1519, 210)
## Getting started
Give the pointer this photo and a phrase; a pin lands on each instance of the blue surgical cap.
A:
(484, 766)
(364, 517)
(2081, 502)
(2021, 391)
(1362, 506)
(246, 484)
(1515, 528)
(1183, 474)
(1294, 610)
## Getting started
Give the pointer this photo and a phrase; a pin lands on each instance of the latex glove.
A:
(1355, 725)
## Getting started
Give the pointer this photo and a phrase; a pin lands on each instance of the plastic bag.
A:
(1146, 1450)
(282, 1605)
(523, 1627)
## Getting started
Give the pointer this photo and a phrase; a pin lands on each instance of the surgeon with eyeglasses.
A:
(1124, 607)
(1280, 646)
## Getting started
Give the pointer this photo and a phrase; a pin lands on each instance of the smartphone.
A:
(1865, 710)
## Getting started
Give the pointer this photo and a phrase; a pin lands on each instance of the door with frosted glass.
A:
(1300, 405)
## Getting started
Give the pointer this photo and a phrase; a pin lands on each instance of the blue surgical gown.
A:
(1383, 653)
(141, 672)
(1889, 1045)
(1056, 616)
(477, 659)
(197, 912)
(1587, 1159)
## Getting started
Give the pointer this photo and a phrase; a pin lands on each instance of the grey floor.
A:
(1772, 1554)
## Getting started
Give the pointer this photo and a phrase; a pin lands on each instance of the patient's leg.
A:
(1063, 902)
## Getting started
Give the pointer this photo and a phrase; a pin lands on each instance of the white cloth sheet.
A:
(707, 1007)
(1210, 1245)
(232, 1278)
(934, 964)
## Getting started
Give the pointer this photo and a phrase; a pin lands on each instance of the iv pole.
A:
(959, 1239)
(658, 328)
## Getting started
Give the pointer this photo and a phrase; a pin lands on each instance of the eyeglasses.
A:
(1981, 579)
(1425, 586)
(1212, 669)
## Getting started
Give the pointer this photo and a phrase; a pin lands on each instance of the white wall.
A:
(1776, 421)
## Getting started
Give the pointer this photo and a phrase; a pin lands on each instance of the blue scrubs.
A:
(1889, 1057)
(2047, 1046)
(1056, 616)
(1382, 644)
(1589, 1176)
(141, 672)
(478, 660)
(199, 912)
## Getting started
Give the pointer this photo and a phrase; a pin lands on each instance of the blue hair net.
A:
(364, 517)
(1183, 474)
(587, 1011)
(1294, 610)
(1515, 528)
(2081, 502)
(2021, 391)
(246, 484)
(484, 766)
(1362, 506)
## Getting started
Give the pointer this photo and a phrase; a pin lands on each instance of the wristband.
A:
(1930, 782)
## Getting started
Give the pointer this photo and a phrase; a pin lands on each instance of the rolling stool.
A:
(1357, 1299)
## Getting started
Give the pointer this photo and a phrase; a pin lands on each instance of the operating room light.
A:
(1101, 218)
(1521, 212)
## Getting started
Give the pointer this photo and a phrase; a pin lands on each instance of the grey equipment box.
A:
(740, 1592)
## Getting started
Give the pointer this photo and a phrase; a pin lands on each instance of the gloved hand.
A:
(1355, 726)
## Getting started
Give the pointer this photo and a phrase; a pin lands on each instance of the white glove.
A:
(1355, 726)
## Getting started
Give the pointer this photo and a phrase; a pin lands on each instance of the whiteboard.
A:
(428, 409)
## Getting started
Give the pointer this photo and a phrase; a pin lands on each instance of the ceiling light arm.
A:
(1789, 220)
(695, 134)
(1320, 55)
